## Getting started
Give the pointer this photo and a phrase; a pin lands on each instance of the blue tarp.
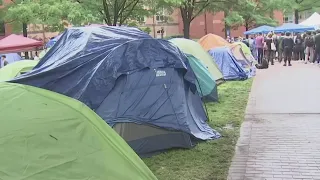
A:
(12, 57)
(147, 81)
(228, 65)
(290, 27)
(262, 29)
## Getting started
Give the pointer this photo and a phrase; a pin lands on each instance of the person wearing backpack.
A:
(309, 42)
(287, 46)
(299, 50)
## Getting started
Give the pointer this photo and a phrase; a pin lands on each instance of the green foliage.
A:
(252, 13)
(52, 13)
(300, 5)
(147, 30)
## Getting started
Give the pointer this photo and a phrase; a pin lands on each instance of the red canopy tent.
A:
(16, 43)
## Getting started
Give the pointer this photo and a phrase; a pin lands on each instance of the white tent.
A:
(313, 20)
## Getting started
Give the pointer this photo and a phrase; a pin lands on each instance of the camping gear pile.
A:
(57, 115)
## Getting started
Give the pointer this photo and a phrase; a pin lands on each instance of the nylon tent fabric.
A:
(75, 40)
(290, 27)
(149, 81)
(230, 67)
(195, 49)
(261, 29)
(211, 41)
(45, 135)
(12, 57)
(247, 64)
(15, 69)
(16, 43)
(206, 85)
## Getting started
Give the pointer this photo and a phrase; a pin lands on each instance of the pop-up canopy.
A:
(290, 27)
(260, 29)
(16, 43)
(313, 20)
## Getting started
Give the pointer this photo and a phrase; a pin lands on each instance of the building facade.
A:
(200, 26)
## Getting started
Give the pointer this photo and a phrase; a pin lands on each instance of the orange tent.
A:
(211, 41)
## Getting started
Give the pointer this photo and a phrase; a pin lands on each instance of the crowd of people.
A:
(285, 47)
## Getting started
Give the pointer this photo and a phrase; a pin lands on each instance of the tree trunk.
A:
(25, 34)
(154, 27)
(186, 30)
(296, 16)
(205, 24)
(226, 27)
(247, 28)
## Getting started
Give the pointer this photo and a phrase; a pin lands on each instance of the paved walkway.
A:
(280, 137)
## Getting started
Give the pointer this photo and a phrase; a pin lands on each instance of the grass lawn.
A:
(208, 160)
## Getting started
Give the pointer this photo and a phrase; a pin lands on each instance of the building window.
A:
(288, 18)
(2, 28)
(161, 16)
(141, 20)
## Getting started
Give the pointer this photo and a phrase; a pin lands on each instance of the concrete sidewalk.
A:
(280, 137)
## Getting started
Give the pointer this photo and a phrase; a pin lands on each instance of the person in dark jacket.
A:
(287, 46)
(280, 47)
(317, 47)
(299, 50)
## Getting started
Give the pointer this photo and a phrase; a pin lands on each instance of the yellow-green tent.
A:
(49, 136)
(246, 51)
(13, 70)
(43, 53)
(193, 48)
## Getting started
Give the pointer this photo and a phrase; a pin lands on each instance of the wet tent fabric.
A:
(76, 39)
(230, 67)
(195, 49)
(45, 135)
(205, 83)
(13, 70)
(149, 81)
(211, 41)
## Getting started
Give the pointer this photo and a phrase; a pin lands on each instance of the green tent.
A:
(45, 135)
(13, 70)
(195, 49)
(246, 51)
(206, 84)
(43, 53)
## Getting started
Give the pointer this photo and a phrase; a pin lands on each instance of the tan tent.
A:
(211, 41)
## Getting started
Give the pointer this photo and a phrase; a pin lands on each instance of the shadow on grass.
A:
(208, 160)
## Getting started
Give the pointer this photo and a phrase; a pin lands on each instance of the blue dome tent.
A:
(228, 65)
(142, 87)
(12, 57)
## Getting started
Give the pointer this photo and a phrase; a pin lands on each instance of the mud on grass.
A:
(208, 160)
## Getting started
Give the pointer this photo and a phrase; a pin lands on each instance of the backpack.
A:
(309, 42)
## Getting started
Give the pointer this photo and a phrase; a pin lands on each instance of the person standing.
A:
(317, 47)
(309, 42)
(4, 61)
(270, 48)
(259, 42)
(299, 50)
(280, 47)
(287, 46)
